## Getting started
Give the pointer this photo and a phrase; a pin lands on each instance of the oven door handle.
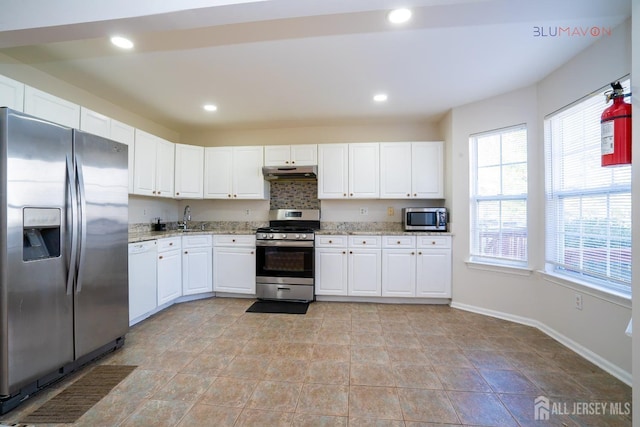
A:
(286, 243)
(280, 288)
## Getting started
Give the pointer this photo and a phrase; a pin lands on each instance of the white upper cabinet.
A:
(395, 170)
(412, 170)
(95, 123)
(125, 134)
(234, 173)
(333, 171)
(50, 107)
(189, 172)
(364, 170)
(11, 94)
(427, 170)
(348, 171)
(218, 172)
(153, 165)
(291, 155)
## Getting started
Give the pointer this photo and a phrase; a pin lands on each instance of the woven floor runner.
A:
(79, 397)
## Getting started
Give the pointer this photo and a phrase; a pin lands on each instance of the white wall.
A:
(598, 330)
(35, 78)
(333, 133)
(635, 88)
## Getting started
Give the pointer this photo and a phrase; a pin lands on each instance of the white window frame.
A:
(475, 256)
(555, 196)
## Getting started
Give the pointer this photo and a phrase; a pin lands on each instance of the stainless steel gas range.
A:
(285, 255)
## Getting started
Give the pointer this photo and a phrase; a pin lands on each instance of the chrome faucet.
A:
(186, 217)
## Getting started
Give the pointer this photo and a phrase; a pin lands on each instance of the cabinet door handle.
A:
(408, 195)
(153, 192)
(251, 252)
(228, 195)
(186, 252)
(351, 252)
(351, 194)
(415, 195)
(171, 244)
(293, 162)
(330, 241)
(344, 194)
(286, 162)
(413, 253)
(419, 253)
(233, 240)
(177, 194)
(235, 195)
(344, 252)
(364, 242)
(433, 243)
(398, 241)
(160, 257)
(159, 193)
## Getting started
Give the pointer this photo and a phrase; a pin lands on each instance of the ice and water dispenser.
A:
(41, 233)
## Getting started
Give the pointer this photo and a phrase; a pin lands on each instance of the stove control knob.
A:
(283, 236)
(264, 236)
(297, 236)
(271, 236)
(304, 236)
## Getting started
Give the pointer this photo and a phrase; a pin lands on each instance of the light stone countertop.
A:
(142, 236)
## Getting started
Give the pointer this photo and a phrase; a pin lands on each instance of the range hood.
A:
(282, 173)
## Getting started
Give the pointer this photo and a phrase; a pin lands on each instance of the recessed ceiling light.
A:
(122, 42)
(380, 97)
(399, 16)
(210, 107)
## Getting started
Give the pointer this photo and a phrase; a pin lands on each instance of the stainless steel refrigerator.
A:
(63, 252)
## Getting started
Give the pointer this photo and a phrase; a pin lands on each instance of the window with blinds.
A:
(499, 196)
(588, 207)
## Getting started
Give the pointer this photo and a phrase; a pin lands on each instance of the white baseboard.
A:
(383, 300)
(592, 357)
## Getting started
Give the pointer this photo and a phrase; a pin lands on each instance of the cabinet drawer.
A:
(331, 241)
(364, 241)
(196, 241)
(234, 240)
(168, 243)
(405, 242)
(426, 242)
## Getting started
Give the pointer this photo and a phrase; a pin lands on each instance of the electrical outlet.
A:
(578, 301)
(144, 212)
(247, 212)
(390, 211)
(364, 211)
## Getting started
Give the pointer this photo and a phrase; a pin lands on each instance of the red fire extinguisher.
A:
(615, 125)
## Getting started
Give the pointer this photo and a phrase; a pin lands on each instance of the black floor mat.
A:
(284, 307)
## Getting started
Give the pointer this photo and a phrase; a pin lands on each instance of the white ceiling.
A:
(297, 62)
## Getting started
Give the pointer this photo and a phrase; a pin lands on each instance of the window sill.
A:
(595, 291)
(499, 268)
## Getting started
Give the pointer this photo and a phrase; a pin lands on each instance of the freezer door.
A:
(101, 293)
(36, 313)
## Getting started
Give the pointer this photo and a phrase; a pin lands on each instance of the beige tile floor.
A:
(208, 363)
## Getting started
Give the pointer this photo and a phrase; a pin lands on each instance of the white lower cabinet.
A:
(331, 265)
(405, 267)
(196, 264)
(234, 264)
(399, 266)
(142, 279)
(169, 269)
(348, 266)
(433, 269)
(365, 272)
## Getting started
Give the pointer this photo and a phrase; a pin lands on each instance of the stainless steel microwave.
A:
(425, 219)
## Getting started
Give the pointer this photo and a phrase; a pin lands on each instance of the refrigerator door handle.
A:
(71, 271)
(83, 224)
